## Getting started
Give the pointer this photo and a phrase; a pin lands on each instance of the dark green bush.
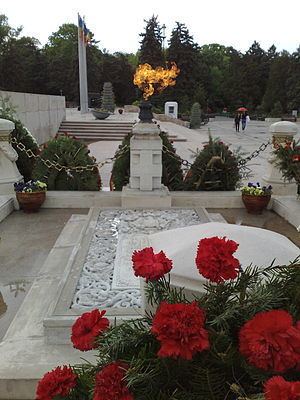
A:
(215, 168)
(22, 135)
(70, 152)
(196, 117)
(172, 176)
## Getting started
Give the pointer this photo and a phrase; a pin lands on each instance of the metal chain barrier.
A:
(90, 167)
(80, 168)
(255, 153)
(244, 170)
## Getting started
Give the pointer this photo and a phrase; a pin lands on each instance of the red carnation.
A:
(149, 265)
(270, 341)
(215, 261)
(110, 384)
(87, 328)
(296, 157)
(277, 388)
(58, 382)
(180, 330)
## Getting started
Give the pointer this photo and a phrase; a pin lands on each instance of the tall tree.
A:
(184, 52)
(22, 65)
(277, 82)
(62, 58)
(217, 60)
(117, 70)
(293, 82)
(255, 73)
(151, 51)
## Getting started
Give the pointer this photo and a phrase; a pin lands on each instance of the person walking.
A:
(237, 120)
(244, 121)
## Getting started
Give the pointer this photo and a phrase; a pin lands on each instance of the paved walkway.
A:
(256, 133)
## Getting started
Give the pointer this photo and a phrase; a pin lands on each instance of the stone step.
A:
(6, 206)
(92, 131)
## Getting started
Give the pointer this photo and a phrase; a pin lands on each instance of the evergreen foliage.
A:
(276, 84)
(172, 175)
(70, 152)
(219, 373)
(108, 98)
(195, 121)
(215, 168)
(151, 44)
(185, 53)
(22, 135)
(277, 110)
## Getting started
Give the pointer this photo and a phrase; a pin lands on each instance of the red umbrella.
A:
(242, 109)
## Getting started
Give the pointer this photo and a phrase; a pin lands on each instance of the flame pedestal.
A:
(145, 188)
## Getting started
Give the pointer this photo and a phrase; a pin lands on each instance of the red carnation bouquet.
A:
(150, 266)
(58, 382)
(233, 341)
(270, 341)
(87, 328)
(110, 384)
(180, 330)
(215, 259)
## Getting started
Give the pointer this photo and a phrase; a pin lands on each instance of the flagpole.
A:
(82, 69)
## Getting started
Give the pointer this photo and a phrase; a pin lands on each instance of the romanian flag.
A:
(84, 32)
(80, 27)
(87, 34)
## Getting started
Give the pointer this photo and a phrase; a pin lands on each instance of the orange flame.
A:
(151, 80)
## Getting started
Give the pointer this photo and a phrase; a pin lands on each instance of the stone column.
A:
(282, 132)
(145, 188)
(9, 173)
(145, 157)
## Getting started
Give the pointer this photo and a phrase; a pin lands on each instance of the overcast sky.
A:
(117, 24)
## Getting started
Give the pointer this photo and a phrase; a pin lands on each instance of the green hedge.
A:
(70, 152)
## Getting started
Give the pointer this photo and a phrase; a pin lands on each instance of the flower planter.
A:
(30, 202)
(100, 114)
(255, 204)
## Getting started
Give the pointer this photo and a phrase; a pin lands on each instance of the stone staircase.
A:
(95, 131)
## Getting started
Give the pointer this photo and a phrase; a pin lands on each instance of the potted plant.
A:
(30, 195)
(288, 161)
(256, 197)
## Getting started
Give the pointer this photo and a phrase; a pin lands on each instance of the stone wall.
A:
(40, 113)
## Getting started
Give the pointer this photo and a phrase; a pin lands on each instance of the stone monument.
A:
(171, 109)
(9, 173)
(145, 188)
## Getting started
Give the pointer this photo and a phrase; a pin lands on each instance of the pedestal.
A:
(9, 173)
(145, 189)
(145, 157)
(282, 132)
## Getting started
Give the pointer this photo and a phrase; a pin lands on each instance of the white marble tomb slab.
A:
(256, 246)
(124, 277)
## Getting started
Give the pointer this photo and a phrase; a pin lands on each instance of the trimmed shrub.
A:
(108, 98)
(196, 117)
(70, 152)
(22, 135)
(172, 175)
(215, 168)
